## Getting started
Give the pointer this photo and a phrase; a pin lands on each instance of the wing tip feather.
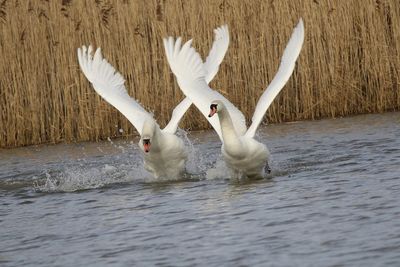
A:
(184, 61)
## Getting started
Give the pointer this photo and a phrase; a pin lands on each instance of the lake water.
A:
(333, 199)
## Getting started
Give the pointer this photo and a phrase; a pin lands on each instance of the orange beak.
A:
(212, 112)
(146, 147)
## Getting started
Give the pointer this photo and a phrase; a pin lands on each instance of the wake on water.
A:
(91, 172)
(126, 166)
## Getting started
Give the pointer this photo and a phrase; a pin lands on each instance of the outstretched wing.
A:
(217, 52)
(189, 70)
(214, 59)
(177, 115)
(109, 84)
(285, 70)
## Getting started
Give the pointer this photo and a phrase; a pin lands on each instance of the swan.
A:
(243, 155)
(164, 153)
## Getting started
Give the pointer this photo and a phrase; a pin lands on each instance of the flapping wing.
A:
(189, 70)
(109, 84)
(217, 52)
(214, 59)
(285, 70)
(177, 115)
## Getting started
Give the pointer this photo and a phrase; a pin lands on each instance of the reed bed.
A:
(350, 62)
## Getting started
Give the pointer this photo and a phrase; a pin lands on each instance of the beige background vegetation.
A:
(350, 62)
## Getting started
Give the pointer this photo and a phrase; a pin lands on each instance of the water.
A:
(333, 199)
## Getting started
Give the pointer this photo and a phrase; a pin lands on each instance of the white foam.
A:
(196, 163)
(77, 178)
(219, 171)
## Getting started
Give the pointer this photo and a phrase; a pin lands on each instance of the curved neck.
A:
(157, 140)
(232, 144)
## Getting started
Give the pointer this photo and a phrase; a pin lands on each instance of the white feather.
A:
(217, 52)
(109, 84)
(211, 66)
(242, 153)
(189, 70)
(285, 70)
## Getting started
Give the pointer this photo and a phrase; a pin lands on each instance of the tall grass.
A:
(350, 62)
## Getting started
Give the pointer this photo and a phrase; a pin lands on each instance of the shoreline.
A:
(131, 137)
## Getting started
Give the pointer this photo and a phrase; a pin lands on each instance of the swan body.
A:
(244, 156)
(253, 163)
(167, 155)
(164, 153)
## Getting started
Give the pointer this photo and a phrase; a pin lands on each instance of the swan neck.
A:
(157, 140)
(229, 135)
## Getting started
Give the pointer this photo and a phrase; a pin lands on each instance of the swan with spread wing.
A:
(243, 155)
(164, 152)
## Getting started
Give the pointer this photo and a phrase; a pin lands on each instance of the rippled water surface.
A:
(333, 199)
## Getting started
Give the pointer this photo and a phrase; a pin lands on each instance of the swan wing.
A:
(285, 70)
(189, 70)
(214, 59)
(109, 84)
(177, 115)
(217, 52)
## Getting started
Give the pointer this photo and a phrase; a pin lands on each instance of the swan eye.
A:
(213, 106)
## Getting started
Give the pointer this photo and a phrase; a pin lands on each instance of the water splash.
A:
(79, 177)
(219, 171)
(95, 165)
(196, 163)
(122, 165)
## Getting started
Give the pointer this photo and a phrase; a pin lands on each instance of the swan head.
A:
(215, 107)
(147, 135)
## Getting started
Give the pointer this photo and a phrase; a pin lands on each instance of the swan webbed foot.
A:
(267, 169)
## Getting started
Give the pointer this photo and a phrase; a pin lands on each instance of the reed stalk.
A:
(350, 62)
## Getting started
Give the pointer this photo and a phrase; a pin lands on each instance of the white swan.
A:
(242, 153)
(164, 153)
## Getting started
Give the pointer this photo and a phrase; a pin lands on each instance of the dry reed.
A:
(349, 64)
